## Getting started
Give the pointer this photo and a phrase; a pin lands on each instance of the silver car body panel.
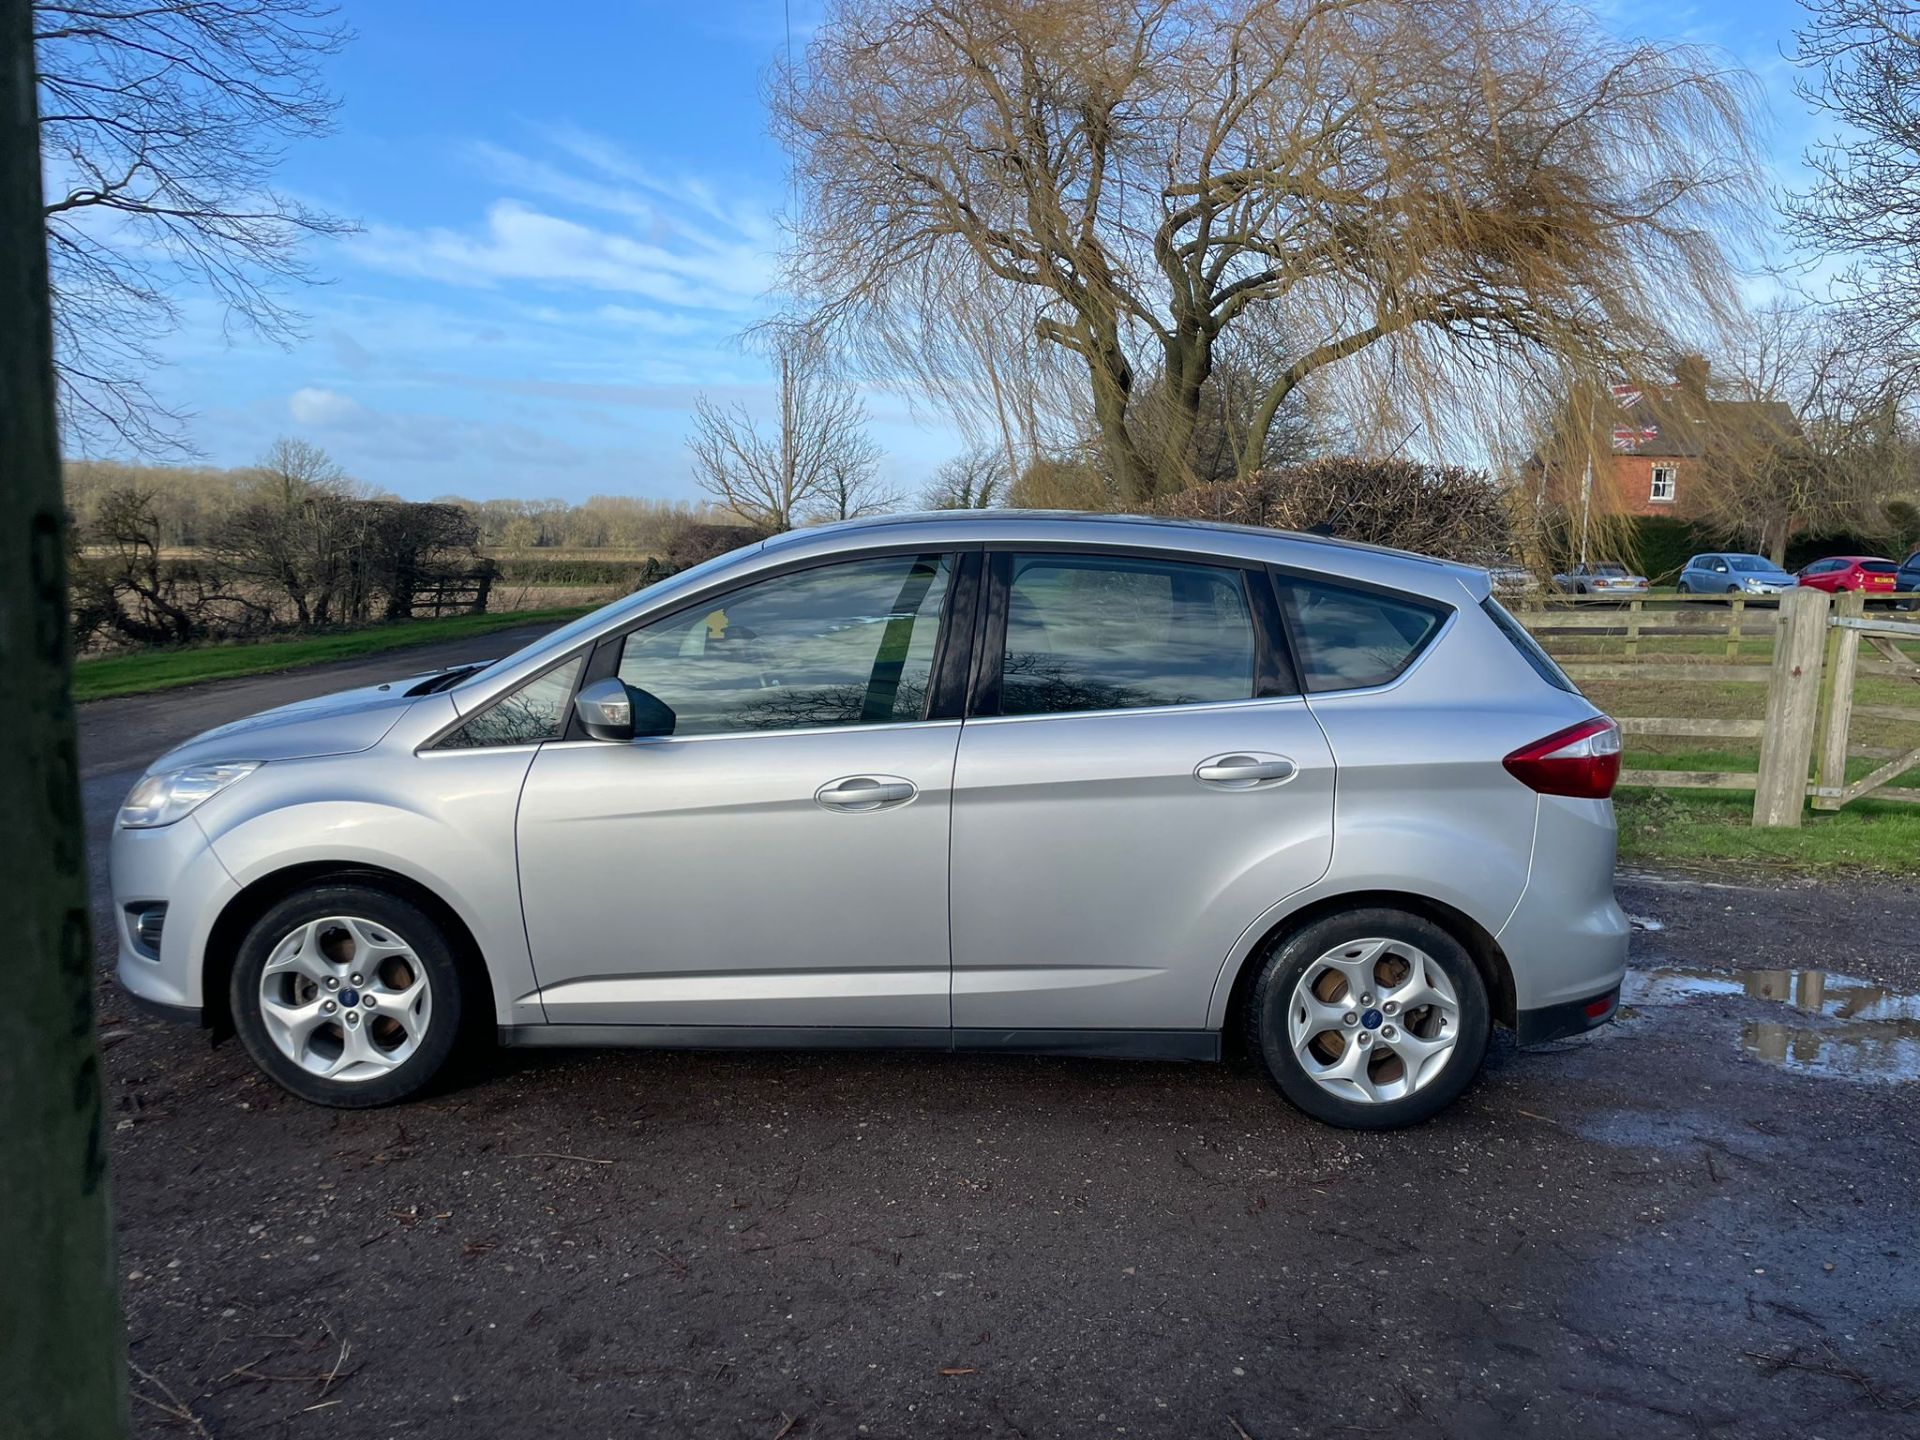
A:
(1050, 874)
(699, 881)
(1097, 882)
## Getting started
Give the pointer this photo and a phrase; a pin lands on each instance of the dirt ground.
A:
(1700, 1221)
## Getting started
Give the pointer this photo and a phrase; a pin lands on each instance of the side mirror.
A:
(612, 710)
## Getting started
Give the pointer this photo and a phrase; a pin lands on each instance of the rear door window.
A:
(1098, 632)
(1346, 638)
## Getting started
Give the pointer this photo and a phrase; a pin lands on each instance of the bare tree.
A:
(59, 1314)
(1809, 430)
(819, 459)
(297, 534)
(161, 124)
(975, 479)
(1426, 198)
(1863, 69)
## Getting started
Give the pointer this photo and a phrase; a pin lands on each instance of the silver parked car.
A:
(1605, 577)
(1095, 786)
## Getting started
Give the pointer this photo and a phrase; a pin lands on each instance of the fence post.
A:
(1736, 612)
(1793, 702)
(1836, 688)
(1634, 609)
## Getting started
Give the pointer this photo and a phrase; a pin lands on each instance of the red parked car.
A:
(1849, 572)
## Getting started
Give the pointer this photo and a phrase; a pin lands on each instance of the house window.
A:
(1664, 478)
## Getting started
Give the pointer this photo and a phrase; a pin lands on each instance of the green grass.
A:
(1713, 830)
(150, 670)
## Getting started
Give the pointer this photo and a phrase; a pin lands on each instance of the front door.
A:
(780, 859)
(1140, 787)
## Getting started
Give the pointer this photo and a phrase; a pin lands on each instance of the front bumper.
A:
(172, 865)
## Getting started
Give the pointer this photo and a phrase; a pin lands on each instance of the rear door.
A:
(1137, 781)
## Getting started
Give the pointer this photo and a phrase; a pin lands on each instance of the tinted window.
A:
(847, 644)
(1349, 639)
(1878, 567)
(1528, 647)
(1610, 571)
(536, 711)
(1115, 633)
(1752, 563)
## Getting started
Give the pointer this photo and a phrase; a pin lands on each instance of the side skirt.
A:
(1105, 1044)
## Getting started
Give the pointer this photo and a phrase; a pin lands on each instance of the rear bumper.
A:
(1571, 1017)
(1566, 941)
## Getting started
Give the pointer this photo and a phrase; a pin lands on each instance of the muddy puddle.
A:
(1824, 1024)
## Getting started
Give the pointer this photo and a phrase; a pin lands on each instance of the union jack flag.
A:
(1632, 437)
(1627, 396)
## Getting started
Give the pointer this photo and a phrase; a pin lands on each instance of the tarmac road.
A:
(1653, 1231)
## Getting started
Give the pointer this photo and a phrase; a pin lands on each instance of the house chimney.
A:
(1690, 374)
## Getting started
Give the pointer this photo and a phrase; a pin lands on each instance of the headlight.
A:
(170, 795)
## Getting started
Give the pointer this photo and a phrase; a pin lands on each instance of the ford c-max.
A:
(1068, 784)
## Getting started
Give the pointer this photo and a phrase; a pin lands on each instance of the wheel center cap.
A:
(352, 997)
(1372, 1019)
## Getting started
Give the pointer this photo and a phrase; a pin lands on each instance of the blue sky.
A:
(569, 216)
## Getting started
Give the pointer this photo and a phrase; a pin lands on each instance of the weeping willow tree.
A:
(1034, 209)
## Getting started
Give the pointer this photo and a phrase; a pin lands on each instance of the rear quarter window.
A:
(1346, 638)
(1529, 648)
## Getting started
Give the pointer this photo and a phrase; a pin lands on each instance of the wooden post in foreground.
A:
(1793, 704)
(61, 1361)
(1843, 660)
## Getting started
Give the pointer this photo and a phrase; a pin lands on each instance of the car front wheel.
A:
(347, 996)
(1371, 1019)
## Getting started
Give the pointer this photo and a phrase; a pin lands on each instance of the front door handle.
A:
(857, 793)
(1244, 771)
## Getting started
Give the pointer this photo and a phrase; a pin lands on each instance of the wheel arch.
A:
(1479, 943)
(246, 907)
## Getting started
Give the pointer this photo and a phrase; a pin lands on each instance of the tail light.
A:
(1583, 761)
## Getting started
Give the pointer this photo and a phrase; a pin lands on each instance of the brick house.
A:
(1664, 439)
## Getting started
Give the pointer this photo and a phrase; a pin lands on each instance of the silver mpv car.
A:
(1075, 785)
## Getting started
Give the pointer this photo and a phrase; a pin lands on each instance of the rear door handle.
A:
(856, 793)
(1244, 771)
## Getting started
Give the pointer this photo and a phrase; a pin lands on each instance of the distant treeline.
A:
(192, 502)
(166, 555)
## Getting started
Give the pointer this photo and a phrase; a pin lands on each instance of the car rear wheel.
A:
(1371, 1019)
(347, 996)
(1683, 588)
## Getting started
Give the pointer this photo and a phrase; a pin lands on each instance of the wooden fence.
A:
(1809, 676)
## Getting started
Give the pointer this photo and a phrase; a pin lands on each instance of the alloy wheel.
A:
(345, 998)
(1373, 1020)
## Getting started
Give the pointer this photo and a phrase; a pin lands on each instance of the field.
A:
(147, 670)
(1711, 828)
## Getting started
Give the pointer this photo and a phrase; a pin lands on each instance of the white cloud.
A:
(323, 409)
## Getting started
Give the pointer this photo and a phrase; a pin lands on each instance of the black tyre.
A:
(1371, 1019)
(1683, 588)
(347, 995)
